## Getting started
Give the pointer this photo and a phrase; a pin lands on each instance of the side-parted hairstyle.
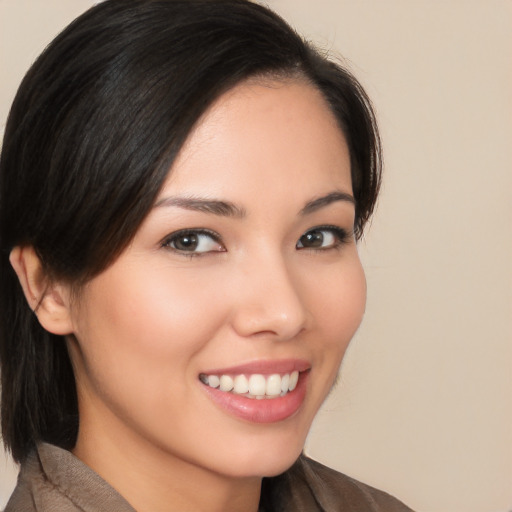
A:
(93, 131)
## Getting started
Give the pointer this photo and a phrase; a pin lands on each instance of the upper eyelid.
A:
(331, 227)
(205, 231)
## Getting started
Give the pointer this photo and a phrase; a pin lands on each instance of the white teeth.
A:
(285, 381)
(254, 386)
(213, 381)
(294, 377)
(257, 384)
(273, 385)
(241, 385)
(225, 382)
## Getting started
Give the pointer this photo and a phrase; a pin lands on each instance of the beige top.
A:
(54, 480)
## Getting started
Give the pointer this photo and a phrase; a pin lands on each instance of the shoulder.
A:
(35, 490)
(30, 477)
(350, 490)
(311, 486)
(54, 479)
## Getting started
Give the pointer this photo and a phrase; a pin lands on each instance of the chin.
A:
(265, 457)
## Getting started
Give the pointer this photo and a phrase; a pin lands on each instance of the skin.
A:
(144, 329)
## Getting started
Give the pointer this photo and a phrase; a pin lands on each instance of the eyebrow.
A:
(229, 209)
(320, 202)
(222, 208)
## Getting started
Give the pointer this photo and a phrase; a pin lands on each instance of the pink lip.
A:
(266, 410)
(264, 367)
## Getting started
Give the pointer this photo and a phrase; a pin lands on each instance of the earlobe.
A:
(48, 300)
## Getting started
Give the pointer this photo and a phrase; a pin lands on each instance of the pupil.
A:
(313, 239)
(186, 242)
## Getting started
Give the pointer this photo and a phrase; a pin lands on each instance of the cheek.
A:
(338, 308)
(341, 302)
(138, 334)
(144, 322)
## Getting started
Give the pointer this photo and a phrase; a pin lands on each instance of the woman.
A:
(182, 187)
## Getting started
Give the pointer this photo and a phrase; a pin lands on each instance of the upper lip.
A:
(264, 367)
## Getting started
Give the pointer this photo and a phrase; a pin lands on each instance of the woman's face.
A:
(244, 273)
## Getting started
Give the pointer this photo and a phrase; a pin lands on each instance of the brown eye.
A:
(312, 239)
(325, 237)
(194, 242)
(186, 242)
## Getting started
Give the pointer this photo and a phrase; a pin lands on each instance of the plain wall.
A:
(424, 404)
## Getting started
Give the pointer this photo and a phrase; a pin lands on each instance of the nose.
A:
(268, 300)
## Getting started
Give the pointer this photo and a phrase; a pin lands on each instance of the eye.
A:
(323, 237)
(194, 241)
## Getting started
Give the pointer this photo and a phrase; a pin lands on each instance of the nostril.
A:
(267, 322)
(269, 304)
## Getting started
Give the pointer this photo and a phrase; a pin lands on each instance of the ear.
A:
(49, 301)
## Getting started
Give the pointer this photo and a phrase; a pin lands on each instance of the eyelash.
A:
(173, 237)
(341, 237)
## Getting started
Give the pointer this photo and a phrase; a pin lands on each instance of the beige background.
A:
(424, 405)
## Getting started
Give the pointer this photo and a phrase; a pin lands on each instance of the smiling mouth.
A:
(255, 386)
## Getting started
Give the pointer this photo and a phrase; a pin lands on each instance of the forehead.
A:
(277, 133)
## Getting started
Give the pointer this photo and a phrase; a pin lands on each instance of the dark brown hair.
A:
(92, 133)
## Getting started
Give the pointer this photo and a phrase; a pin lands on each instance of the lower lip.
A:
(266, 410)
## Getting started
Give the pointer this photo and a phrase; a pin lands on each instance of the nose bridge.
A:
(270, 300)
